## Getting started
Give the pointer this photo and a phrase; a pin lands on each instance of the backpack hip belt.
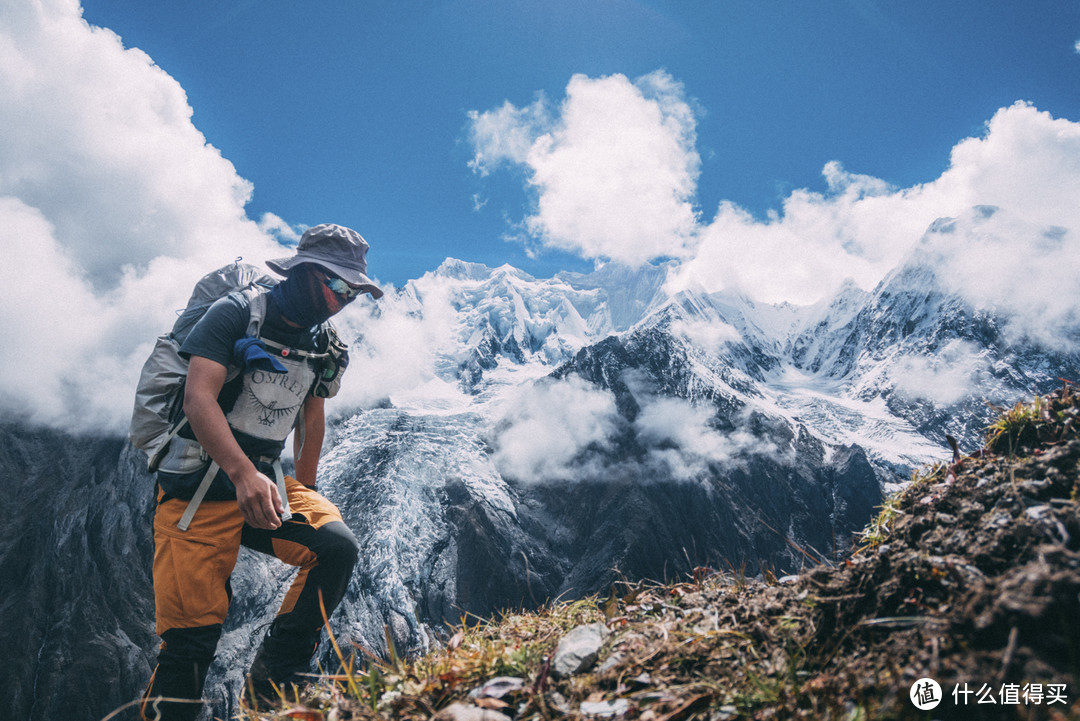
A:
(208, 479)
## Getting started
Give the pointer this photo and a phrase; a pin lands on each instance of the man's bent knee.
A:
(338, 545)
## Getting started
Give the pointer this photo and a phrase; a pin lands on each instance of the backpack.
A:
(159, 395)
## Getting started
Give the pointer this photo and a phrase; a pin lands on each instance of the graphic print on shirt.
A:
(268, 406)
(270, 410)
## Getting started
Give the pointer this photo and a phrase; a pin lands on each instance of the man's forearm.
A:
(307, 453)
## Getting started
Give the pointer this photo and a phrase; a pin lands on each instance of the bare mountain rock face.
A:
(75, 558)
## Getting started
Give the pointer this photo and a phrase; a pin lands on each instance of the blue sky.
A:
(357, 112)
(774, 150)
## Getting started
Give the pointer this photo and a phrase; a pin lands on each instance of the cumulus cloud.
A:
(1028, 274)
(858, 230)
(505, 135)
(566, 429)
(113, 205)
(1026, 162)
(614, 167)
(401, 344)
(542, 428)
(283, 232)
(709, 335)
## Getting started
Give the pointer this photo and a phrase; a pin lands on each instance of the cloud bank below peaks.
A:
(571, 430)
(614, 169)
(112, 205)
(541, 430)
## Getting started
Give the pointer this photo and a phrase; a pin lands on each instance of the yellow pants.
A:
(192, 592)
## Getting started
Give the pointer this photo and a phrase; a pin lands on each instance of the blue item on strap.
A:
(250, 353)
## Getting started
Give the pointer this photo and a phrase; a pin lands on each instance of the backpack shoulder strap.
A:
(258, 302)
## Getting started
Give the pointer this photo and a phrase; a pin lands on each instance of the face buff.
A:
(306, 296)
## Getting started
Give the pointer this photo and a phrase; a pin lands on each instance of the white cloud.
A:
(401, 339)
(858, 230)
(541, 428)
(709, 335)
(1026, 162)
(505, 135)
(956, 372)
(1020, 261)
(1028, 274)
(614, 173)
(286, 234)
(680, 439)
(113, 205)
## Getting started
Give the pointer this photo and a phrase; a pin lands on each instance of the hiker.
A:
(228, 455)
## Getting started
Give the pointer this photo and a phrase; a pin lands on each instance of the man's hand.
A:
(259, 500)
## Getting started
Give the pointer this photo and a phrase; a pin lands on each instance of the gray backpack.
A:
(159, 396)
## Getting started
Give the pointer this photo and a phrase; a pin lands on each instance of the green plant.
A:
(1017, 428)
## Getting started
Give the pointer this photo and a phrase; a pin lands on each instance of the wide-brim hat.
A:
(338, 249)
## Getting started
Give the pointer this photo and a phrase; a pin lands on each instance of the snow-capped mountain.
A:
(513, 439)
(935, 359)
(503, 318)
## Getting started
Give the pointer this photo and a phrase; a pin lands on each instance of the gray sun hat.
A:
(338, 249)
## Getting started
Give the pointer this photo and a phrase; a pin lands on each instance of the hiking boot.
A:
(279, 670)
(264, 692)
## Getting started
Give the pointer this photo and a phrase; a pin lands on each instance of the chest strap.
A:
(287, 352)
(208, 479)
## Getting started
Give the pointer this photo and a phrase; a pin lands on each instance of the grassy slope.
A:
(970, 576)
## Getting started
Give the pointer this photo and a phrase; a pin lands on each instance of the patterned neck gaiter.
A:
(304, 299)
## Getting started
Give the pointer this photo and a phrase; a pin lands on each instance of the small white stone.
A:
(578, 650)
(605, 709)
(466, 712)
